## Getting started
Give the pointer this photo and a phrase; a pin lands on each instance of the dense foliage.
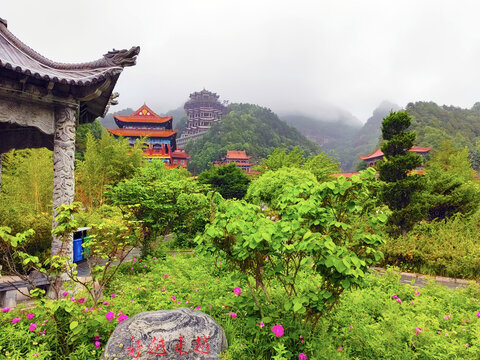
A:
(107, 161)
(229, 180)
(162, 201)
(321, 165)
(26, 197)
(382, 320)
(313, 235)
(247, 127)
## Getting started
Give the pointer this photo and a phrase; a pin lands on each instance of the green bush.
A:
(445, 248)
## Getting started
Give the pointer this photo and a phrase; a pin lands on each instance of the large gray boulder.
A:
(167, 334)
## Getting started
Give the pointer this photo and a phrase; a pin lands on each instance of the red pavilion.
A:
(161, 139)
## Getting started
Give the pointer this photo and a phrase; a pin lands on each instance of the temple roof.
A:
(142, 132)
(379, 153)
(143, 115)
(231, 154)
(91, 83)
(180, 154)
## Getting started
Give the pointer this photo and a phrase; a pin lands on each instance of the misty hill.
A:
(345, 138)
(109, 123)
(247, 127)
(179, 118)
(434, 123)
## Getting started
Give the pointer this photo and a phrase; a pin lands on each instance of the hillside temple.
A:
(160, 142)
(374, 157)
(240, 158)
(203, 109)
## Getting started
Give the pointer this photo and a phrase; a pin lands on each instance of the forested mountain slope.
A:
(247, 127)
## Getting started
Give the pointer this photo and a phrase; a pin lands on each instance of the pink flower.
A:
(478, 314)
(447, 317)
(5, 310)
(113, 295)
(122, 317)
(302, 356)
(412, 303)
(172, 297)
(197, 307)
(417, 292)
(418, 330)
(106, 303)
(81, 301)
(30, 316)
(97, 344)
(36, 355)
(466, 345)
(237, 291)
(15, 320)
(399, 301)
(395, 297)
(166, 275)
(110, 315)
(232, 314)
(339, 349)
(72, 298)
(32, 327)
(262, 324)
(350, 327)
(65, 294)
(278, 330)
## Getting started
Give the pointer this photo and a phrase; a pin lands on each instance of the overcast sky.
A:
(292, 56)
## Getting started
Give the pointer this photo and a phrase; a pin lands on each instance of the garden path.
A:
(421, 280)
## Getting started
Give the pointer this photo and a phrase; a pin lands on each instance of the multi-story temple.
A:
(160, 140)
(240, 158)
(203, 109)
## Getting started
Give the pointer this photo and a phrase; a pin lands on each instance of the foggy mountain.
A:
(345, 138)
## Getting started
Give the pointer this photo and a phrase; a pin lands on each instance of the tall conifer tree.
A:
(400, 189)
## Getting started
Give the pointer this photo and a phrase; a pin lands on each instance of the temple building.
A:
(160, 139)
(203, 109)
(238, 157)
(377, 155)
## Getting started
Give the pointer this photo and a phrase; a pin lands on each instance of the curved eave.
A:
(91, 84)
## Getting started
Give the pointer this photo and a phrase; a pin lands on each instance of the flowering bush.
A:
(367, 324)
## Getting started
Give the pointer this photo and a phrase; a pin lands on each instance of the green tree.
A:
(268, 188)
(322, 166)
(26, 197)
(95, 129)
(282, 158)
(400, 189)
(162, 201)
(230, 181)
(107, 161)
(451, 187)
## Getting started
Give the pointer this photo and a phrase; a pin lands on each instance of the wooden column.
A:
(63, 170)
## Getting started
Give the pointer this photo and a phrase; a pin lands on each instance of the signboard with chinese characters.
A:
(167, 334)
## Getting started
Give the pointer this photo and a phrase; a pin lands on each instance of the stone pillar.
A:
(63, 170)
